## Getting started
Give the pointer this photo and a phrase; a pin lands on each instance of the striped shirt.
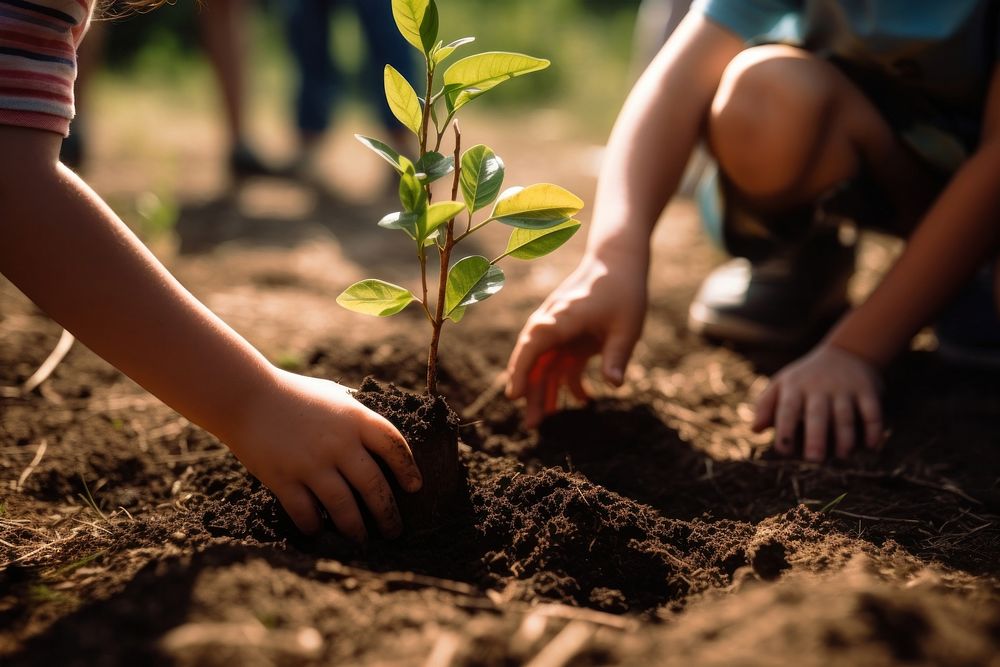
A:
(38, 42)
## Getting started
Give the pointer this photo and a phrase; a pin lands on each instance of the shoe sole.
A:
(704, 321)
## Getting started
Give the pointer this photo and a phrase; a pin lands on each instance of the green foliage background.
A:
(588, 42)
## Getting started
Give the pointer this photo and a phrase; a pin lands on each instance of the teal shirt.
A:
(943, 49)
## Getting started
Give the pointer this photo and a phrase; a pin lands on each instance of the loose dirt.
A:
(648, 528)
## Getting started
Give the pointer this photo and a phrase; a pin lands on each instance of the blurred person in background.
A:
(223, 27)
(885, 113)
(320, 81)
(306, 438)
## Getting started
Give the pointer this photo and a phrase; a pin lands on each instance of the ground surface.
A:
(651, 528)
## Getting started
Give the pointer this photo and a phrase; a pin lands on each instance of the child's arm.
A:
(959, 233)
(303, 437)
(601, 306)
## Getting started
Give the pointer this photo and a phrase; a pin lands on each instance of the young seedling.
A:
(541, 215)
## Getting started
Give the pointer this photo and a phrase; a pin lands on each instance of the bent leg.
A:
(786, 127)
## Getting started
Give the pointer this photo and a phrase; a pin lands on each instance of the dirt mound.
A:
(853, 617)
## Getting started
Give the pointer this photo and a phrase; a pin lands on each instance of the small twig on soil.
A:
(976, 529)
(485, 398)
(42, 446)
(564, 646)
(54, 359)
(92, 524)
(874, 518)
(401, 580)
(947, 487)
(444, 651)
(39, 550)
(556, 610)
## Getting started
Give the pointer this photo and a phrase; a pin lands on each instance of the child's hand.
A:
(598, 309)
(828, 387)
(308, 440)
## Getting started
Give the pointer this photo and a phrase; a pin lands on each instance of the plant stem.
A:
(422, 256)
(474, 229)
(445, 257)
(425, 121)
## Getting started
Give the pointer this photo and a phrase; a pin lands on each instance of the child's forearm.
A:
(957, 235)
(659, 125)
(62, 246)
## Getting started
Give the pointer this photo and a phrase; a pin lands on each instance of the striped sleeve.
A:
(38, 41)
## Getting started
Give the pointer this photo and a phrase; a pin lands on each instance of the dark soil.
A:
(648, 528)
(431, 429)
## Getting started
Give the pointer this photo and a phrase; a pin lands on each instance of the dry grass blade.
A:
(556, 610)
(485, 398)
(36, 551)
(39, 453)
(62, 348)
(871, 517)
(564, 646)
(444, 651)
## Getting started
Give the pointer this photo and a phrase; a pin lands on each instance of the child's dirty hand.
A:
(829, 389)
(598, 309)
(310, 442)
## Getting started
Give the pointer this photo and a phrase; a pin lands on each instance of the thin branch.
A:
(474, 229)
(565, 646)
(870, 517)
(51, 362)
(42, 446)
(445, 258)
(425, 120)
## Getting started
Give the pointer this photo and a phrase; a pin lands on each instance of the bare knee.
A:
(769, 118)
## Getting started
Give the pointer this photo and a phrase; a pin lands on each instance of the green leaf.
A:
(457, 314)
(535, 243)
(435, 166)
(384, 151)
(470, 281)
(375, 297)
(412, 194)
(539, 206)
(470, 77)
(417, 21)
(440, 213)
(441, 53)
(403, 100)
(833, 503)
(406, 221)
(481, 177)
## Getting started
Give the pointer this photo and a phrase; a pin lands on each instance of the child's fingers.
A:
(787, 419)
(553, 380)
(573, 377)
(381, 437)
(331, 490)
(300, 507)
(616, 353)
(535, 339)
(764, 414)
(843, 414)
(817, 423)
(871, 413)
(366, 477)
(537, 387)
